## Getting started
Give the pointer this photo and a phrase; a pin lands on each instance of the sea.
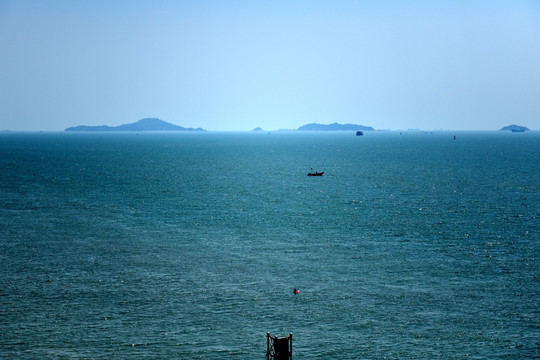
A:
(188, 245)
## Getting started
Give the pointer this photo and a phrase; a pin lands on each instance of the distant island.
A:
(335, 127)
(147, 124)
(515, 128)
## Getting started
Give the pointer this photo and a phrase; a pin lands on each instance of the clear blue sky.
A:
(237, 65)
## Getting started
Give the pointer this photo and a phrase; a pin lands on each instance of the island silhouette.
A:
(155, 124)
(515, 128)
(146, 124)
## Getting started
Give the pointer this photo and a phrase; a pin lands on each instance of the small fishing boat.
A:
(315, 173)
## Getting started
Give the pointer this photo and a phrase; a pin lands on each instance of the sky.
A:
(275, 64)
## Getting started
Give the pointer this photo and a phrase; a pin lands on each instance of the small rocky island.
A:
(515, 128)
(335, 127)
(147, 124)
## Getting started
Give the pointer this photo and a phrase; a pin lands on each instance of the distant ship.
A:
(359, 133)
(314, 173)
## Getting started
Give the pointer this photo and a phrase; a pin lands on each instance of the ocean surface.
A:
(188, 245)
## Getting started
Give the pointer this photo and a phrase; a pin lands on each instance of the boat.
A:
(315, 173)
(359, 133)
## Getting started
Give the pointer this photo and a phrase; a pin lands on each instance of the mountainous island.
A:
(335, 127)
(147, 124)
(515, 128)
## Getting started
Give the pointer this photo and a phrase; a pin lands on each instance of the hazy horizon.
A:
(257, 128)
(235, 66)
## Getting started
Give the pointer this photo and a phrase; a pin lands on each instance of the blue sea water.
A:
(189, 245)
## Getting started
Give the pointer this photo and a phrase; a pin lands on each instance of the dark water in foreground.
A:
(188, 246)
